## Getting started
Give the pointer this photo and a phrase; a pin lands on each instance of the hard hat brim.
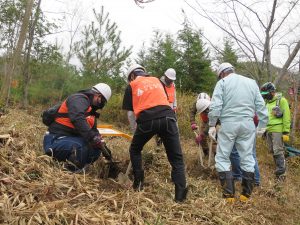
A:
(264, 92)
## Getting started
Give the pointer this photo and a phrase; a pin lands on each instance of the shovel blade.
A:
(124, 180)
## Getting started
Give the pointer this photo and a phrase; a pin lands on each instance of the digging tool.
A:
(108, 130)
(200, 151)
(113, 169)
(210, 152)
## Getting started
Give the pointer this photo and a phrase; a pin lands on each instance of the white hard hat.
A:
(224, 66)
(202, 104)
(203, 95)
(134, 67)
(103, 89)
(171, 74)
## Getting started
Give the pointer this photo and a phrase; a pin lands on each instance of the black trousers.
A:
(166, 128)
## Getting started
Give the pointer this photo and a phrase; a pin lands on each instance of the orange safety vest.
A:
(147, 92)
(171, 93)
(66, 120)
(204, 117)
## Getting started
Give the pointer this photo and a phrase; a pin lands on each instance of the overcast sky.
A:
(135, 23)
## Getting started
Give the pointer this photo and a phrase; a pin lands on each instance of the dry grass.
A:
(36, 190)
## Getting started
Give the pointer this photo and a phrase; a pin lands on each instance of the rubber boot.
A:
(247, 185)
(227, 184)
(180, 193)
(280, 167)
(138, 182)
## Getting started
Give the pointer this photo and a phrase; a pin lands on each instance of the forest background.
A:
(36, 73)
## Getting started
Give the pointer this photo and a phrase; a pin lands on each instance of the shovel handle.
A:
(200, 151)
(210, 152)
(128, 169)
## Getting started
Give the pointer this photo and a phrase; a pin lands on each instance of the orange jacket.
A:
(171, 93)
(67, 122)
(147, 92)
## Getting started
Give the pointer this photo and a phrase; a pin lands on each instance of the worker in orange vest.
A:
(73, 135)
(146, 97)
(168, 82)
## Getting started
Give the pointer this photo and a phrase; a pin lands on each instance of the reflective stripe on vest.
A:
(147, 92)
(66, 120)
(171, 93)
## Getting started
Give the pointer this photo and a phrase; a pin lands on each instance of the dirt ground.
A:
(34, 189)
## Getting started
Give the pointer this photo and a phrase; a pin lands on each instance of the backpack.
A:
(49, 115)
(277, 112)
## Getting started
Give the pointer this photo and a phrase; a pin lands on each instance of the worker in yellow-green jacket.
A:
(278, 127)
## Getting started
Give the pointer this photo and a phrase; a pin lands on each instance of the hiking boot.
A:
(227, 184)
(180, 193)
(138, 182)
(247, 183)
(280, 165)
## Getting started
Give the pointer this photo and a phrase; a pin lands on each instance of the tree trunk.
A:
(15, 59)
(295, 110)
(287, 63)
(26, 72)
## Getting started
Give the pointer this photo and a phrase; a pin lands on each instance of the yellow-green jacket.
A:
(282, 124)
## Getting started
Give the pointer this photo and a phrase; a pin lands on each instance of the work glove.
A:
(99, 144)
(285, 138)
(194, 126)
(199, 139)
(260, 132)
(212, 132)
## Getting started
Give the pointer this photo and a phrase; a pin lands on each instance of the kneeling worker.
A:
(74, 136)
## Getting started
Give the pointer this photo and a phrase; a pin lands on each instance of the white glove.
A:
(212, 132)
(260, 131)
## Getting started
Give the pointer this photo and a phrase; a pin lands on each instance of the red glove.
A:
(194, 126)
(199, 139)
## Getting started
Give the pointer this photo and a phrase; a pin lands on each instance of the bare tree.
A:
(15, 59)
(258, 28)
(295, 88)
(139, 2)
(26, 72)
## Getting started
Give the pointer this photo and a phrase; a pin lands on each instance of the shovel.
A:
(122, 178)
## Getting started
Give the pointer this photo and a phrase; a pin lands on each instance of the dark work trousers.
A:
(73, 149)
(166, 128)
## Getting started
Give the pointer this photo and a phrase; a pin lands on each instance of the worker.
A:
(234, 102)
(278, 127)
(168, 82)
(202, 107)
(235, 161)
(73, 136)
(145, 96)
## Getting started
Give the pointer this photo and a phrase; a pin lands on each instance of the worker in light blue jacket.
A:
(234, 102)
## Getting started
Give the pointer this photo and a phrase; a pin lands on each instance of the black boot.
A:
(180, 193)
(227, 184)
(138, 182)
(247, 185)
(280, 166)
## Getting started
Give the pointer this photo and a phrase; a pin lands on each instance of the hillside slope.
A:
(36, 190)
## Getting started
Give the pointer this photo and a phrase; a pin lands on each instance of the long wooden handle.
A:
(128, 168)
